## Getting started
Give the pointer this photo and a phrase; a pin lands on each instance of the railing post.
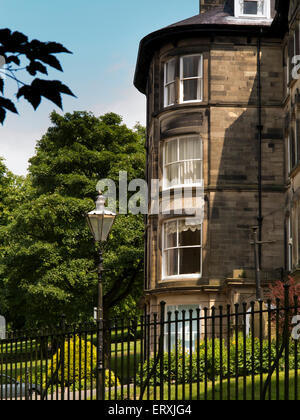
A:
(162, 333)
(63, 325)
(26, 384)
(286, 343)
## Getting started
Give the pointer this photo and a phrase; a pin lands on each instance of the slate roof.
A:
(222, 15)
(218, 20)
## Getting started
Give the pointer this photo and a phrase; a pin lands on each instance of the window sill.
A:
(185, 186)
(198, 101)
(182, 277)
(169, 106)
(253, 17)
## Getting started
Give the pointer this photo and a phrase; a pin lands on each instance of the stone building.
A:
(217, 105)
(291, 101)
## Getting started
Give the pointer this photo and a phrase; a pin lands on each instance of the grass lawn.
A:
(131, 358)
(239, 392)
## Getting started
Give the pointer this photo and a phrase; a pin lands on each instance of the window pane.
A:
(170, 71)
(192, 90)
(186, 235)
(187, 324)
(191, 66)
(170, 94)
(189, 260)
(250, 7)
(187, 309)
(190, 148)
(171, 154)
(172, 177)
(170, 234)
(171, 262)
(190, 172)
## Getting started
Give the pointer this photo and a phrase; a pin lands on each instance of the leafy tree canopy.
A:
(17, 54)
(12, 189)
(50, 258)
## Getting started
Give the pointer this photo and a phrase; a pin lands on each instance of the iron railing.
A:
(246, 352)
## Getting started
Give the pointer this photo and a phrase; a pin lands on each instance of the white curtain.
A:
(170, 71)
(171, 154)
(188, 150)
(171, 94)
(193, 224)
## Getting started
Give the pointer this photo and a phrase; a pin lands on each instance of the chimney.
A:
(206, 5)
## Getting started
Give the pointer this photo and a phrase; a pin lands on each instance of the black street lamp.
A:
(100, 222)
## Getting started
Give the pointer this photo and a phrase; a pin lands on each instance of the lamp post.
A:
(100, 222)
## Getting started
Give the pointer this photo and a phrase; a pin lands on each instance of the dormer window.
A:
(252, 9)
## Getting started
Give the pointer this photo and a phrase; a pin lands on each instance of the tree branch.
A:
(121, 296)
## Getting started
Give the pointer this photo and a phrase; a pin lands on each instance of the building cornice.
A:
(153, 42)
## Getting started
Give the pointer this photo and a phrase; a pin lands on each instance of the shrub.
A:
(212, 363)
(81, 355)
(109, 381)
(80, 359)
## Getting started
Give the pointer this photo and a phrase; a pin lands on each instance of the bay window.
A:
(183, 162)
(182, 248)
(191, 78)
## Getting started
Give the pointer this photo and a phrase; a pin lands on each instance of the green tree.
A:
(49, 258)
(11, 194)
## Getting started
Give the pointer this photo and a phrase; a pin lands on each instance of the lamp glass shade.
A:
(100, 225)
(100, 220)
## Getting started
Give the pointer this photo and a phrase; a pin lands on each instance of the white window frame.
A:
(286, 57)
(166, 84)
(193, 276)
(182, 79)
(165, 165)
(180, 325)
(239, 14)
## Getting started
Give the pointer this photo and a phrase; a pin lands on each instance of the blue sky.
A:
(104, 37)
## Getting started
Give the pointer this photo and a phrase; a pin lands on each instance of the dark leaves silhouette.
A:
(18, 54)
